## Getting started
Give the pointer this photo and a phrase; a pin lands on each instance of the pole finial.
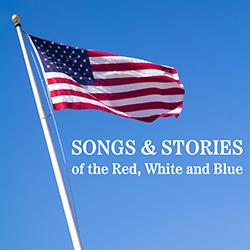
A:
(15, 19)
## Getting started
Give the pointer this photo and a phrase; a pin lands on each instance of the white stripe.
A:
(118, 59)
(114, 89)
(139, 113)
(145, 99)
(57, 75)
(129, 101)
(174, 111)
(114, 59)
(71, 99)
(119, 74)
(133, 73)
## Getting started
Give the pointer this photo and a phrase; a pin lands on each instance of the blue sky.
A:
(208, 42)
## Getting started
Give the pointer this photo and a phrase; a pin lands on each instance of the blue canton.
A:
(65, 59)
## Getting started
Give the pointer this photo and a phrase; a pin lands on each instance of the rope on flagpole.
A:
(50, 108)
(52, 114)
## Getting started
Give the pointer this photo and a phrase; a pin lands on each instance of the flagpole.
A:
(46, 130)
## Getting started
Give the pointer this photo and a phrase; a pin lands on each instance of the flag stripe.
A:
(117, 89)
(130, 66)
(133, 73)
(170, 100)
(113, 82)
(94, 53)
(110, 96)
(163, 77)
(135, 110)
(113, 59)
(146, 118)
(132, 80)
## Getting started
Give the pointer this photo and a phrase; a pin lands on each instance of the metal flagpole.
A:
(57, 171)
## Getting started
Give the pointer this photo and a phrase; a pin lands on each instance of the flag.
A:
(125, 86)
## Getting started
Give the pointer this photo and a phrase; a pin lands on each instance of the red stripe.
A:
(119, 96)
(77, 106)
(115, 81)
(62, 80)
(148, 105)
(94, 53)
(130, 66)
(131, 80)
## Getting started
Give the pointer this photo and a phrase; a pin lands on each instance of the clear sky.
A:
(209, 44)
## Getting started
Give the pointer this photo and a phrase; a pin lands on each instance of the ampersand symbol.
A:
(148, 148)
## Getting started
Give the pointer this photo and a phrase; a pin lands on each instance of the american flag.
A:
(125, 86)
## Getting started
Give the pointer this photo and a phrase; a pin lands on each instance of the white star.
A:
(44, 42)
(80, 78)
(75, 73)
(48, 66)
